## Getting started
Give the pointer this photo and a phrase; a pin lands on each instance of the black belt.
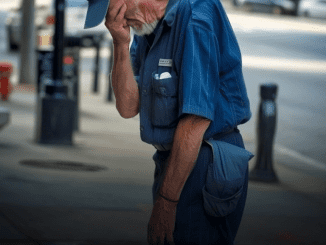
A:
(221, 135)
(167, 147)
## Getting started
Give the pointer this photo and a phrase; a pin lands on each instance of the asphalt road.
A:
(301, 95)
(284, 50)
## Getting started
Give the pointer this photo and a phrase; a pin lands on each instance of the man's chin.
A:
(146, 29)
(140, 32)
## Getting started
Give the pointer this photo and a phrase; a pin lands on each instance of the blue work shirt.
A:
(196, 45)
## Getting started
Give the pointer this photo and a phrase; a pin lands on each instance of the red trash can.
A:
(5, 85)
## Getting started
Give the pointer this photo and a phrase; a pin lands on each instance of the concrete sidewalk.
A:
(49, 203)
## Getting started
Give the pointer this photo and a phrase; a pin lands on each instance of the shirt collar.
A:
(157, 27)
(170, 11)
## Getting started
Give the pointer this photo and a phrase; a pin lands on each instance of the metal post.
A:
(263, 170)
(55, 112)
(97, 39)
(27, 44)
(58, 46)
(110, 63)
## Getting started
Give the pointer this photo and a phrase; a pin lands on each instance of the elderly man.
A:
(183, 75)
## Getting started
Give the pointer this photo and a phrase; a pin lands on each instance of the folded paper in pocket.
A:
(225, 178)
(165, 75)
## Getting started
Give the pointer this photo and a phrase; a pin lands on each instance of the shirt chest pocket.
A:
(164, 111)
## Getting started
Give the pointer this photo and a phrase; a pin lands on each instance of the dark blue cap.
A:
(96, 12)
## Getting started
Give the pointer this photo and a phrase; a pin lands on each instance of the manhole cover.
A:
(62, 165)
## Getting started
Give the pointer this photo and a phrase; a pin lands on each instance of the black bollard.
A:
(54, 117)
(110, 65)
(97, 40)
(263, 170)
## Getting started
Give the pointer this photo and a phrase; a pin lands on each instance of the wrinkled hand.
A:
(117, 24)
(161, 224)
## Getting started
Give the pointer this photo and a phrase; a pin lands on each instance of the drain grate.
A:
(61, 165)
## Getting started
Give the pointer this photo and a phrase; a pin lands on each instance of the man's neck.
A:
(160, 7)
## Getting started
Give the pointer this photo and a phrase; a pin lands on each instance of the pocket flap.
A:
(225, 178)
(229, 167)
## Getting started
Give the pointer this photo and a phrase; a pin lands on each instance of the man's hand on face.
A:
(117, 24)
(161, 224)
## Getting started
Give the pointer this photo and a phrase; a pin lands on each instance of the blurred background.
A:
(107, 173)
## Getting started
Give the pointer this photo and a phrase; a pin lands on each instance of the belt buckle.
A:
(161, 147)
(220, 135)
(158, 147)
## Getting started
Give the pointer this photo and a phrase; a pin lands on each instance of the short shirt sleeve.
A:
(199, 74)
(134, 56)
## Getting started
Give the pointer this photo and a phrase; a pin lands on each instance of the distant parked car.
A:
(286, 7)
(76, 11)
(13, 24)
(75, 15)
(312, 8)
(272, 6)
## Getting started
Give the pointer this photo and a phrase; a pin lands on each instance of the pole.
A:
(58, 48)
(97, 39)
(263, 170)
(27, 44)
(55, 112)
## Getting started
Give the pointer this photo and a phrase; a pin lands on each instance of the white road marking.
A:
(307, 160)
(274, 23)
(282, 64)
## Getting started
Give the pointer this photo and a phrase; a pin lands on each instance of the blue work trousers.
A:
(193, 225)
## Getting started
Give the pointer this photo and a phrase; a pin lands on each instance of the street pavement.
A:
(71, 204)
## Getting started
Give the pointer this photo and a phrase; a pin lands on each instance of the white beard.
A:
(146, 29)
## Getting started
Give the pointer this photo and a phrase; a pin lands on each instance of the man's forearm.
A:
(186, 146)
(124, 85)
